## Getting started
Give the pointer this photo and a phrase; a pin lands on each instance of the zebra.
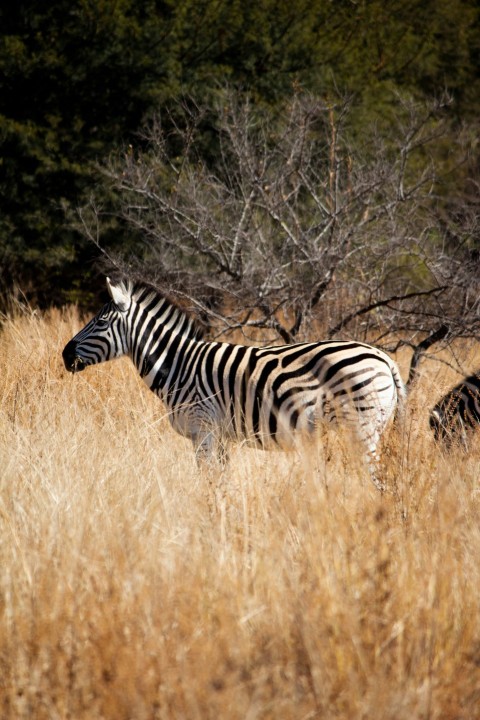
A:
(457, 412)
(216, 392)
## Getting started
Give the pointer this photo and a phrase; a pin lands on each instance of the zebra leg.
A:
(373, 467)
(203, 446)
(210, 449)
(211, 455)
(366, 429)
(373, 458)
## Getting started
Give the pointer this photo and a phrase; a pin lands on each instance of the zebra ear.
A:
(121, 298)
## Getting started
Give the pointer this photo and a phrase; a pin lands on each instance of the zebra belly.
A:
(283, 425)
(272, 425)
(281, 419)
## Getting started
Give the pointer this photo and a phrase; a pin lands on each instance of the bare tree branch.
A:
(381, 303)
(294, 219)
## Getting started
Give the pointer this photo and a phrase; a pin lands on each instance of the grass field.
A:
(134, 586)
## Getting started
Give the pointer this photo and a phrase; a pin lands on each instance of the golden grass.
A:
(134, 586)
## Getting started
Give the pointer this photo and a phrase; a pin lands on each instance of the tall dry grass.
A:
(133, 586)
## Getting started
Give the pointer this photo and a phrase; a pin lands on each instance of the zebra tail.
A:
(401, 395)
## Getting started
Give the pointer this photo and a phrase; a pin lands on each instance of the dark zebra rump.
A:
(457, 410)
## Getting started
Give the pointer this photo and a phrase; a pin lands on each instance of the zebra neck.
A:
(161, 365)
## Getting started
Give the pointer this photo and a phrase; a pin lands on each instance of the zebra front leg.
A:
(209, 450)
(212, 457)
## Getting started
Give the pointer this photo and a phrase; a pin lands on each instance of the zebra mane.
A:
(145, 293)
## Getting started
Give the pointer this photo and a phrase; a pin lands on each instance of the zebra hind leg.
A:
(373, 467)
(373, 460)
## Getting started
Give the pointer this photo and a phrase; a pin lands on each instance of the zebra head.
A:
(105, 336)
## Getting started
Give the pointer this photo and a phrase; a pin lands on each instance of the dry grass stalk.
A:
(134, 586)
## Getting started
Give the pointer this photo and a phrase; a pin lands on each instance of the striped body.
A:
(458, 411)
(268, 397)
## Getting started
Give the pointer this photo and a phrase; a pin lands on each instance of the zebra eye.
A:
(103, 322)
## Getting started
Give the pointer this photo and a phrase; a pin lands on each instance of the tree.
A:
(292, 222)
(79, 78)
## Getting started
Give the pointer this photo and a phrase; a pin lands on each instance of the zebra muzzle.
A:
(73, 363)
(76, 365)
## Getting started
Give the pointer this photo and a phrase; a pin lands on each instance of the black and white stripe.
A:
(217, 391)
(457, 412)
